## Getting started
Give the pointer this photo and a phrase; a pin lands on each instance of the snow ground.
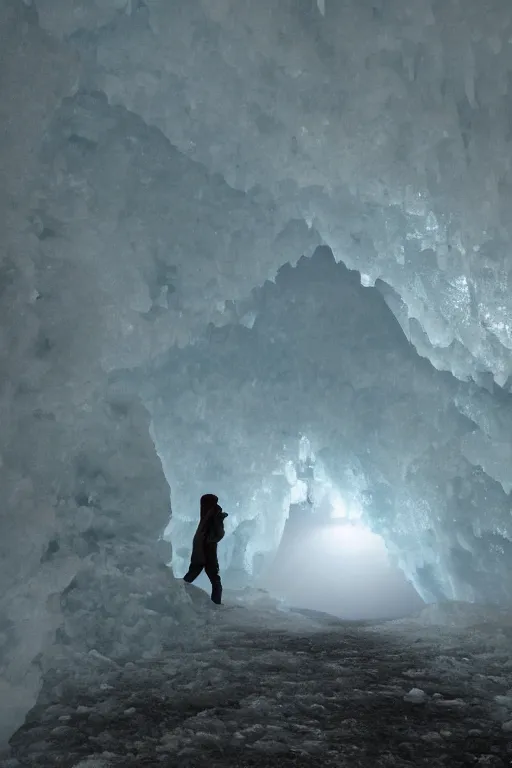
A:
(260, 687)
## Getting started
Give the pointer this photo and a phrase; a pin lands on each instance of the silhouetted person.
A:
(204, 549)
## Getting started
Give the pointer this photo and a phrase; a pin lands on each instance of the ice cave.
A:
(260, 249)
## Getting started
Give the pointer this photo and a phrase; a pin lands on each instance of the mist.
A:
(341, 568)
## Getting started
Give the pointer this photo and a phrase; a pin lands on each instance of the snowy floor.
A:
(261, 687)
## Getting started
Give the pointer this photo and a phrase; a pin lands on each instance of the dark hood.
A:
(208, 501)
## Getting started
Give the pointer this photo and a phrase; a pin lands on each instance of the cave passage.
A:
(339, 567)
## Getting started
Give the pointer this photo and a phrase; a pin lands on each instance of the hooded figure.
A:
(204, 549)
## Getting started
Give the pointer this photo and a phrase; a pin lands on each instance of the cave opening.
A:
(343, 569)
(337, 565)
(281, 416)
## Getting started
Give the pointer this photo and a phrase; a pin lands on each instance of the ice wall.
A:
(84, 498)
(325, 357)
(385, 125)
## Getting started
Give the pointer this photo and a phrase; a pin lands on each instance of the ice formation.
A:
(387, 434)
(159, 163)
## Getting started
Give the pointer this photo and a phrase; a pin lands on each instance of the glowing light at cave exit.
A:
(340, 509)
(342, 567)
(350, 539)
(347, 534)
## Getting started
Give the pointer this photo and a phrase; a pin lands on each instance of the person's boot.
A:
(217, 594)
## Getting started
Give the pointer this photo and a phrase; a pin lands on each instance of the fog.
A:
(336, 566)
(340, 567)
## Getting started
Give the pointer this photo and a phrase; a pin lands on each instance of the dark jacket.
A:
(210, 529)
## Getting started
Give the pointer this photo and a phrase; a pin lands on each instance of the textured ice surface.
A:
(158, 161)
(387, 127)
(388, 435)
(258, 687)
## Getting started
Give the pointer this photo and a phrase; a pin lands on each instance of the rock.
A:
(405, 749)
(504, 701)
(432, 737)
(95, 718)
(206, 739)
(53, 710)
(312, 747)
(451, 703)
(104, 739)
(416, 696)
(490, 761)
(94, 654)
(269, 746)
(168, 746)
(187, 752)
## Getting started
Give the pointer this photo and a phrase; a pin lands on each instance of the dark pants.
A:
(211, 567)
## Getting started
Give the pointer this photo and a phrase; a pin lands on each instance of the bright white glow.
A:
(342, 568)
(290, 473)
(305, 451)
(342, 510)
(351, 539)
(339, 508)
(299, 492)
